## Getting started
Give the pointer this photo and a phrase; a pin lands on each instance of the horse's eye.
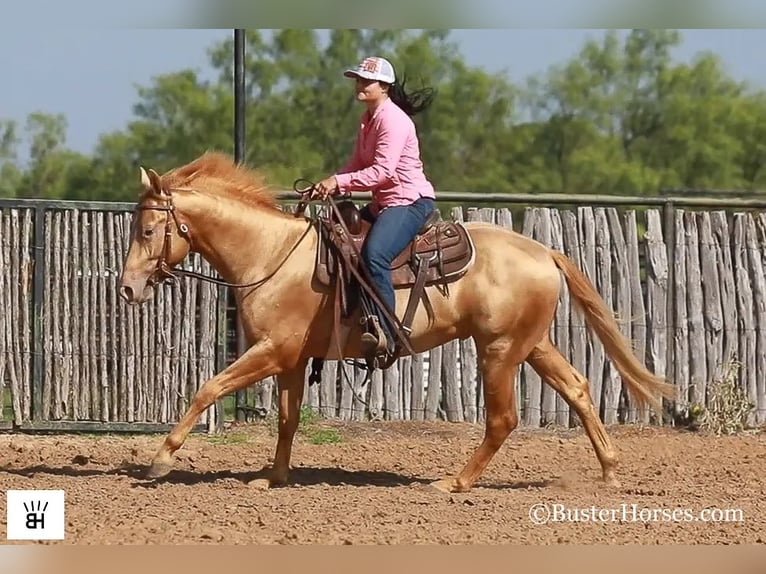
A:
(148, 231)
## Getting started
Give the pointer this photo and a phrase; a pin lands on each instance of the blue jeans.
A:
(390, 233)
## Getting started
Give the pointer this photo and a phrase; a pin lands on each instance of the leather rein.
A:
(163, 272)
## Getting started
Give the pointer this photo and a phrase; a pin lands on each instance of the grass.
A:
(309, 427)
(228, 438)
(229, 407)
(309, 424)
(728, 407)
(6, 405)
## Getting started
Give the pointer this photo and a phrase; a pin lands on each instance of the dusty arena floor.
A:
(357, 483)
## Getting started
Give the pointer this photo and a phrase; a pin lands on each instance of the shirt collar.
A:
(385, 103)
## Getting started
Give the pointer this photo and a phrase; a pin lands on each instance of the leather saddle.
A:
(446, 245)
(441, 253)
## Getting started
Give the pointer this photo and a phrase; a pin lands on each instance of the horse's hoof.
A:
(260, 484)
(612, 482)
(448, 486)
(266, 483)
(269, 479)
(158, 470)
(442, 485)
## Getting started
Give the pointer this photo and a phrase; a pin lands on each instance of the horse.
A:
(505, 301)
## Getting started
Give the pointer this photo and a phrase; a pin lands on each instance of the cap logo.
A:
(370, 65)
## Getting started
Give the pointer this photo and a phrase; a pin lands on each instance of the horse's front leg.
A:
(290, 385)
(255, 364)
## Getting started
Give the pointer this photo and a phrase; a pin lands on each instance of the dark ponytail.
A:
(412, 103)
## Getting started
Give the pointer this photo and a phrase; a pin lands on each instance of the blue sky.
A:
(90, 74)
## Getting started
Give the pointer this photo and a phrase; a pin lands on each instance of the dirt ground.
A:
(367, 483)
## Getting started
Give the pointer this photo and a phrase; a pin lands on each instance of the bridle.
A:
(163, 271)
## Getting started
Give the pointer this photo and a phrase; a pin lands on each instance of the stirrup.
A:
(374, 343)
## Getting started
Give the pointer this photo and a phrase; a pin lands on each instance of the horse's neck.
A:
(242, 243)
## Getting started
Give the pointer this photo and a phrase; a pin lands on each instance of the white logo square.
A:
(35, 514)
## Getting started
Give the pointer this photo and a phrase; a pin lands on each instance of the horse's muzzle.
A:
(135, 292)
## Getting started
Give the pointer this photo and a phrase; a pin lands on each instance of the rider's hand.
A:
(326, 187)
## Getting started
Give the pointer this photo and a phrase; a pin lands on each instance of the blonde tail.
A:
(642, 385)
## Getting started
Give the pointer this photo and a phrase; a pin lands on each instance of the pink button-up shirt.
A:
(386, 159)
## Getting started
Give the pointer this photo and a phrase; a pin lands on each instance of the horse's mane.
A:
(218, 173)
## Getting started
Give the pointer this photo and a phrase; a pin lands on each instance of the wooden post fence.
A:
(684, 276)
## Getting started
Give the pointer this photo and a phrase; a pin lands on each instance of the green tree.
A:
(749, 125)
(10, 174)
(621, 116)
(52, 167)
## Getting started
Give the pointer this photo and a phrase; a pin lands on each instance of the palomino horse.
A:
(505, 302)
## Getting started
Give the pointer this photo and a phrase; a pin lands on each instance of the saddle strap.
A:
(416, 293)
(338, 302)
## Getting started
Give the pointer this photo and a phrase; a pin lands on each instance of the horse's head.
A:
(158, 240)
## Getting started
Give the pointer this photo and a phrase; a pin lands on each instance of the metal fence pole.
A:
(38, 293)
(239, 157)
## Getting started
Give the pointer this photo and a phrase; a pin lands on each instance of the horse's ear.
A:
(157, 182)
(146, 183)
(151, 181)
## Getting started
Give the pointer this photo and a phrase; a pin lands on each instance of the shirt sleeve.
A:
(390, 141)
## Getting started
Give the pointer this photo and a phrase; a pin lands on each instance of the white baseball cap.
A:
(373, 68)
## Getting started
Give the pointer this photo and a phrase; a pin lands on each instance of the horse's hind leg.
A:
(498, 370)
(290, 385)
(551, 365)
